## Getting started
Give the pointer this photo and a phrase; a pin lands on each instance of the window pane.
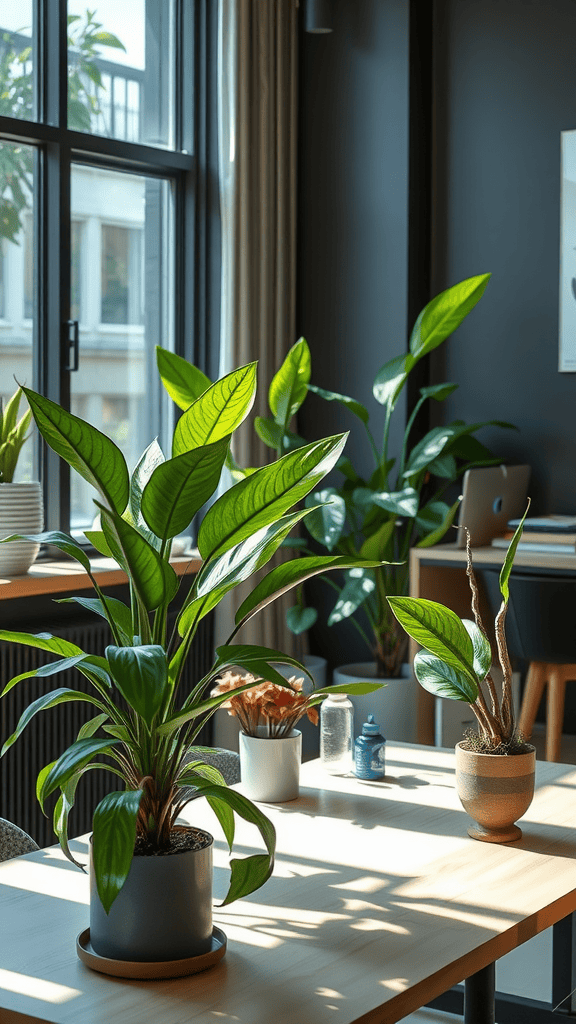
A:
(17, 281)
(124, 288)
(121, 69)
(16, 60)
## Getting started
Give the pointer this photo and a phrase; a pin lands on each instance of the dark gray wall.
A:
(505, 79)
(353, 201)
(353, 196)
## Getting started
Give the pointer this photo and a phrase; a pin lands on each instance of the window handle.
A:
(73, 345)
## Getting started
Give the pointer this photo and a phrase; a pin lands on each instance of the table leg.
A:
(479, 996)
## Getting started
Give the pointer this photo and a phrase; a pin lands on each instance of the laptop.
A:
(491, 495)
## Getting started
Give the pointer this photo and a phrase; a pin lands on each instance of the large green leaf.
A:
(291, 574)
(183, 381)
(42, 642)
(289, 385)
(443, 680)
(277, 437)
(179, 487)
(375, 545)
(326, 523)
(51, 669)
(154, 579)
(357, 408)
(401, 503)
(299, 618)
(59, 540)
(87, 450)
(439, 392)
(263, 497)
(438, 629)
(141, 675)
(72, 760)
(47, 700)
(248, 874)
(217, 412)
(225, 572)
(113, 838)
(445, 313)
(118, 610)
(509, 560)
(360, 583)
(148, 462)
(391, 378)
(481, 647)
(436, 535)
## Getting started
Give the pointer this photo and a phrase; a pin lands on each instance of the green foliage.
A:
(12, 436)
(144, 729)
(400, 506)
(457, 657)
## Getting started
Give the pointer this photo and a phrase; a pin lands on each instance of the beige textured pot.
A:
(495, 790)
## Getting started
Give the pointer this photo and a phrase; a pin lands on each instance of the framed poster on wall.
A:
(567, 317)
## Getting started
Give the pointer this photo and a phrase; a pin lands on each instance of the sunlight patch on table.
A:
(369, 924)
(368, 883)
(36, 988)
(43, 879)
(455, 913)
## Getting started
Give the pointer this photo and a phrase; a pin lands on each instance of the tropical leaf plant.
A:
(457, 657)
(401, 503)
(13, 434)
(143, 726)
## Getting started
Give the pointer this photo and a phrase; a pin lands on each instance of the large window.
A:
(99, 214)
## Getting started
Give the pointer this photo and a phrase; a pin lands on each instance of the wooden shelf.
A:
(64, 576)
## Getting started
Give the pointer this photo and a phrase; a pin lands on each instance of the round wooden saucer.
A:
(160, 969)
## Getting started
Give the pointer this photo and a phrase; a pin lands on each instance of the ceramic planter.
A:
(163, 911)
(495, 791)
(21, 511)
(393, 706)
(270, 768)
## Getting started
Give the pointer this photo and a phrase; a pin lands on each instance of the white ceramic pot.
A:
(21, 511)
(393, 706)
(270, 768)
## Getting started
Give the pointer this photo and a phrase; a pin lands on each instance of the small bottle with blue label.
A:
(370, 752)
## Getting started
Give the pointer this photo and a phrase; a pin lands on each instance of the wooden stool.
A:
(539, 674)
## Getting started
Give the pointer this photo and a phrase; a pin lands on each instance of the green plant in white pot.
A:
(494, 767)
(144, 726)
(398, 504)
(20, 502)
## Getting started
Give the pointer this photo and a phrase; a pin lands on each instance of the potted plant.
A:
(20, 503)
(270, 745)
(147, 905)
(494, 767)
(399, 505)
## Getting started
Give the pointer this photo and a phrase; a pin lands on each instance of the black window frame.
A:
(192, 168)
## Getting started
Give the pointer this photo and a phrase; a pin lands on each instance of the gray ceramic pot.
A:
(495, 790)
(163, 911)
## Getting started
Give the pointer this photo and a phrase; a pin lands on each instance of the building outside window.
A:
(95, 190)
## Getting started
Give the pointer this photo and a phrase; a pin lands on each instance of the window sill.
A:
(59, 577)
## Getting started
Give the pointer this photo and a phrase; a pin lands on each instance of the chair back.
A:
(541, 617)
(14, 841)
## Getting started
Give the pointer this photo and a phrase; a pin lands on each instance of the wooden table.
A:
(379, 902)
(439, 574)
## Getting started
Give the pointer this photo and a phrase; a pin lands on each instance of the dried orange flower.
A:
(266, 703)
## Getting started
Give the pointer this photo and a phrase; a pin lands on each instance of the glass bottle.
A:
(336, 728)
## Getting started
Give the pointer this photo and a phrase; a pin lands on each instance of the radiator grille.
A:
(50, 732)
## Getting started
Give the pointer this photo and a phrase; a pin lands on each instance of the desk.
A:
(439, 574)
(379, 902)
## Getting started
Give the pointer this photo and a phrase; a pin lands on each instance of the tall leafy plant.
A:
(457, 658)
(143, 725)
(400, 503)
(13, 434)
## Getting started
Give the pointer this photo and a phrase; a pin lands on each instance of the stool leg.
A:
(533, 689)
(555, 711)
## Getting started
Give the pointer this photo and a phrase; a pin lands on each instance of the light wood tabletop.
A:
(378, 903)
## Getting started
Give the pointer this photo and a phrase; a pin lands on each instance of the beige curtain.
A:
(257, 154)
